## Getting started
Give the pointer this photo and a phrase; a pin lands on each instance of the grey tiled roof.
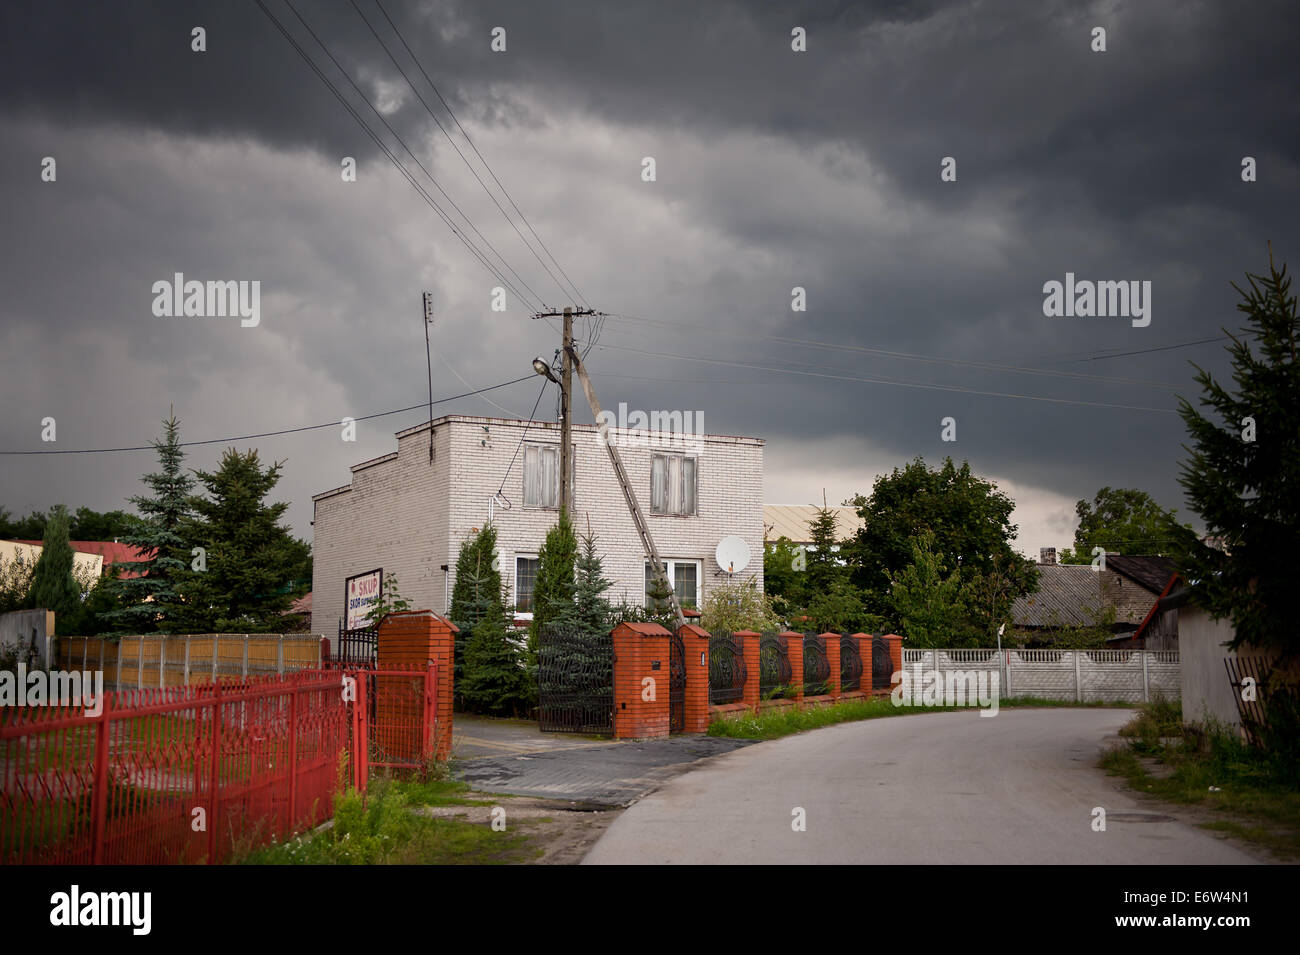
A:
(1069, 595)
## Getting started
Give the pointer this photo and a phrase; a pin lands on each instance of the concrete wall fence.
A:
(1082, 676)
(157, 660)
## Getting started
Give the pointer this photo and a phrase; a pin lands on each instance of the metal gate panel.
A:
(816, 666)
(882, 665)
(727, 671)
(773, 667)
(575, 683)
(676, 684)
(850, 664)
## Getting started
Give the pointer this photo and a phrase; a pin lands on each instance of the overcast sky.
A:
(773, 169)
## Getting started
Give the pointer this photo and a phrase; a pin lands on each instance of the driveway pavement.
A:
(513, 756)
(474, 736)
(931, 789)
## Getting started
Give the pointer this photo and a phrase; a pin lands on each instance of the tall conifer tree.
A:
(152, 600)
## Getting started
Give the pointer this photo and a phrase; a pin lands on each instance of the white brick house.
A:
(409, 516)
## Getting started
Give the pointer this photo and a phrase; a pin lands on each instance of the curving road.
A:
(935, 788)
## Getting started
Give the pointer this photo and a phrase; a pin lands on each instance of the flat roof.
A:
(547, 425)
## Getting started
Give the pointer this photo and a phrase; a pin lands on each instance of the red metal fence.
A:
(199, 773)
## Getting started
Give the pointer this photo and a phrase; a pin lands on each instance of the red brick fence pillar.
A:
(413, 638)
(749, 642)
(641, 681)
(895, 652)
(833, 660)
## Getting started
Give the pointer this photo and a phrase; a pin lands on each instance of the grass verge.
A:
(776, 723)
(1211, 769)
(382, 828)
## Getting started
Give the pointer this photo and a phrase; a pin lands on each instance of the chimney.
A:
(1047, 555)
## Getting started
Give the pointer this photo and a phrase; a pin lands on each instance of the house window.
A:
(684, 575)
(673, 484)
(525, 581)
(542, 474)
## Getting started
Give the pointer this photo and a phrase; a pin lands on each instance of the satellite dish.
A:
(732, 554)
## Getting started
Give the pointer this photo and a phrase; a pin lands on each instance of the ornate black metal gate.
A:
(676, 684)
(357, 647)
(726, 669)
(773, 667)
(850, 664)
(816, 667)
(882, 667)
(575, 683)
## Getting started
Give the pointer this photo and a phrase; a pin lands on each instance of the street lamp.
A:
(543, 369)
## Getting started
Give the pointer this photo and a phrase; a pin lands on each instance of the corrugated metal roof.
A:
(1069, 595)
(791, 520)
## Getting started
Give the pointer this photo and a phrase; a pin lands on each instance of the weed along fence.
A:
(162, 660)
(1084, 676)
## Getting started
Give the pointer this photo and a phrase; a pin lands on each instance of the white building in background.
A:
(408, 516)
(85, 566)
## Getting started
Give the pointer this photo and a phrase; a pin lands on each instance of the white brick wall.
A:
(410, 518)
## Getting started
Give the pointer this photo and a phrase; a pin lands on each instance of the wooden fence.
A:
(162, 660)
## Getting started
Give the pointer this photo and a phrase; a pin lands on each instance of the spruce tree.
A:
(1241, 476)
(494, 677)
(53, 585)
(245, 586)
(477, 578)
(553, 589)
(477, 588)
(589, 612)
(496, 680)
(824, 567)
(152, 600)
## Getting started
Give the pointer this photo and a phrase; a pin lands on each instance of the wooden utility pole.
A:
(566, 405)
(566, 429)
(428, 362)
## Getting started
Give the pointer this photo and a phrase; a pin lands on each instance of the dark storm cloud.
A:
(775, 169)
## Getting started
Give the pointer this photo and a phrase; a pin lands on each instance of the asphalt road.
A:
(930, 789)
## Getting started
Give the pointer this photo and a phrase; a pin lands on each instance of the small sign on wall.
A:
(362, 596)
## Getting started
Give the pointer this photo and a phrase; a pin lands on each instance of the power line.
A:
(892, 381)
(424, 194)
(563, 291)
(905, 356)
(451, 368)
(272, 434)
(429, 200)
(481, 157)
(423, 169)
(1143, 351)
(527, 425)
